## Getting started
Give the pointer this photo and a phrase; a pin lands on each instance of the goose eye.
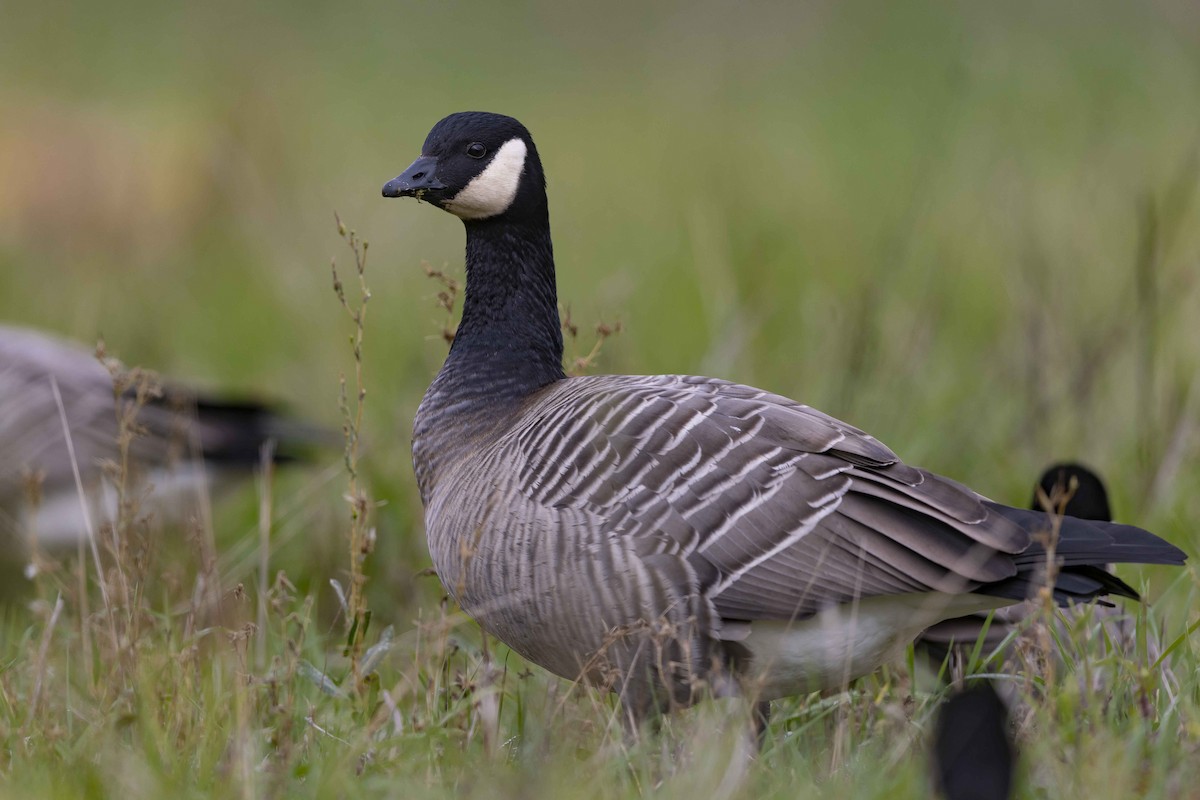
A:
(476, 150)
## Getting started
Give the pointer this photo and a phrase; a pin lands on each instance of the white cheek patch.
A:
(492, 191)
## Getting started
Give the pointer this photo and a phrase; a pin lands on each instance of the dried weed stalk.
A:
(362, 535)
(1056, 506)
(126, 537)
(447, 298)
(577, 364)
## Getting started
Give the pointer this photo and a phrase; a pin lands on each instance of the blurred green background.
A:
(970, 229)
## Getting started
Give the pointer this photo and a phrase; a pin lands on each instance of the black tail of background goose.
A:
(233, 432)
(657, 533)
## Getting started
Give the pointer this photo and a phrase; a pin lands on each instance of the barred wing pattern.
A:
(662, 529)
(778, 509)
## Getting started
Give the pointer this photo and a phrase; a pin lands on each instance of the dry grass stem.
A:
(362, 535)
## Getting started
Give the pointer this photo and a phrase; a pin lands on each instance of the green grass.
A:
(971, 230)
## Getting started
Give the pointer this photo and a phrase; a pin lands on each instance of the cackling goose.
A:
(659, 535)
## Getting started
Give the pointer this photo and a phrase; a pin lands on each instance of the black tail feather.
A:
(232, 432)
(1082, 542)
(1082, 548)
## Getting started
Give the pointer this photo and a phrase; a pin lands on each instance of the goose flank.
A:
(669, 536)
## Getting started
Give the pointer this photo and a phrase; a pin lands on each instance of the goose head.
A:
(478, 166)
(1074, 490)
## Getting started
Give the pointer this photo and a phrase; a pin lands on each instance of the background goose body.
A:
(186, 440)
(658, 534)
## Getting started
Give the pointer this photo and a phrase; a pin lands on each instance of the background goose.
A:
(186, 438)
(658, 534)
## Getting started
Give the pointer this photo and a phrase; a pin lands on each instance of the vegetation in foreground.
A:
(973, 232)
(140, 674)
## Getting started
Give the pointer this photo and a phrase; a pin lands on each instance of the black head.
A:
(477, 166)
(973, 753)
(1088, 499)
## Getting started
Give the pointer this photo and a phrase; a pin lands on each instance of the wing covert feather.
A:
(779, 509)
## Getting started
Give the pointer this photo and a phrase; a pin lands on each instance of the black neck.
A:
(510, 340)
